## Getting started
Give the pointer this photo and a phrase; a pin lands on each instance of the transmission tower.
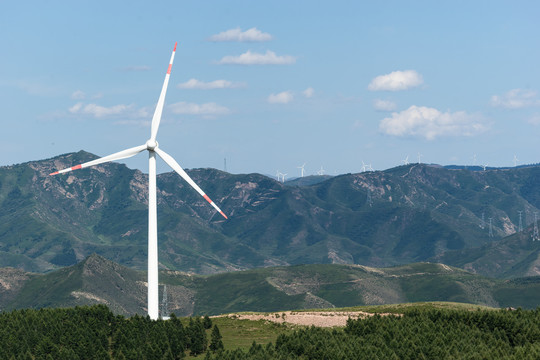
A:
(483, 223)
(490, 228)
(520, 226)
(535, 236)
(164, 304)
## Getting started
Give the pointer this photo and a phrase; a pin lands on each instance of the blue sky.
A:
(272, 85)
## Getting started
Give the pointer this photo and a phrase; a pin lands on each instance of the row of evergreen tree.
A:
(96, 333)
(433, 334)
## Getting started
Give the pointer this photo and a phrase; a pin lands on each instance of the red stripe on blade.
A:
(175, 46)
(76, 167)
(169, 69)
(225, 216)
(207, 198)
(54, 173)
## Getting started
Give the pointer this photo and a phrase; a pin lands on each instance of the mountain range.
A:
(411, 213)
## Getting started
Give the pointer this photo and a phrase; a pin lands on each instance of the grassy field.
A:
(241, 333)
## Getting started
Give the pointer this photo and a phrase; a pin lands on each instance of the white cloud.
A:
(516, 99)
(216, 84)
(249, 58)
(534, 120)
(35, 88)
(384, 105)
(281, 98)
(395, 81)
(208, 109)
(430, 123)
(99, 111)
(78, 95)
(309, 92)
(250, 35)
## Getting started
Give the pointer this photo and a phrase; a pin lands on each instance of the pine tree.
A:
(215, 340)
(207, 322)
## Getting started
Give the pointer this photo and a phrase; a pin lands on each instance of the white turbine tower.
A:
(364, 166)
(152, 146)
(302, 169)
(515, 160)
(406, 160)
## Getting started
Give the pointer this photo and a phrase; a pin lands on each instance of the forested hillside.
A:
(418, 333)
(431, 334)
(100, 281)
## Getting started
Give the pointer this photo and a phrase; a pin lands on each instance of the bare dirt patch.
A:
(315, 318)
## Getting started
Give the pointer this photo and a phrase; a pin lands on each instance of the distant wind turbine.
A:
(515, 160)
(152, 147)
(321, 171)
(406, 160)
(302, 168)
(364, 166)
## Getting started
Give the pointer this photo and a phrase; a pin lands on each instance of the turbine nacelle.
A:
(151, 145)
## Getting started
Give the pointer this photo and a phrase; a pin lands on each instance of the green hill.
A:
(100, 281)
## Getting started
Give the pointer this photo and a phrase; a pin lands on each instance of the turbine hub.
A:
(151, 145)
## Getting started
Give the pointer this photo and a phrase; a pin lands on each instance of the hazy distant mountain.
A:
(99, 281)
(406, 214)
(307, 180)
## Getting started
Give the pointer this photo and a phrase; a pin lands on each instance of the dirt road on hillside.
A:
(316, 318)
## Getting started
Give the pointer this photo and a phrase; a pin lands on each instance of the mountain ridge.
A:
(405, 214)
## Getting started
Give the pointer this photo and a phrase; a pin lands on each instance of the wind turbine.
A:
(364, 166)
(321, 171)
(152, 146)
(302, 168)
(515, 160)
(406, 160)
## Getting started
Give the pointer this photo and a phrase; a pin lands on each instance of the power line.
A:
(535, 236)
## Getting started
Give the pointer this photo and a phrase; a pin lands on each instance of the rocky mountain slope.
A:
(406, 214)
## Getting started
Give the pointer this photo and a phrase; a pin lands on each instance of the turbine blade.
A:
(116, 156)
(176, 167)
(159, 107)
